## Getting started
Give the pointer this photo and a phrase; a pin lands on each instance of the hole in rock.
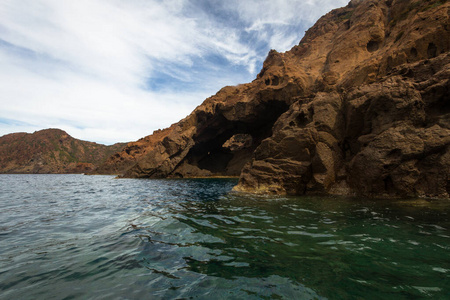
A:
(275, 80)
(373, 46)
(301, 119)
(347, 25)
(432, 50)
(388, 185)
(413, 52)
(395, 153)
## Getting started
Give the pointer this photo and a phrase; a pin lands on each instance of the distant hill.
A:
(51, 151)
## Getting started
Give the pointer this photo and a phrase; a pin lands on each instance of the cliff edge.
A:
(360, 107)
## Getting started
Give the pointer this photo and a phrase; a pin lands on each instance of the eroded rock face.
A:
(197, 145)
(360, 106)
(380, 139)
(238, 142)
(121, 161)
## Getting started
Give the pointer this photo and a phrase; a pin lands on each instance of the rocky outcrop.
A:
(50, 151)
(360, 107)
(378, 122)
(121, 161)
(379, 139)
(195, 146)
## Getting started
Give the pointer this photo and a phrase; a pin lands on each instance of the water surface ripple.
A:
(96, 237)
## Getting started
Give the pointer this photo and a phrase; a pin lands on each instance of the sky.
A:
(116, 70)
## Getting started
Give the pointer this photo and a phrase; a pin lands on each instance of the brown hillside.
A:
(50, 151)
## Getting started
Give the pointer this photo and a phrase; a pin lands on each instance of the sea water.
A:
(96, 237)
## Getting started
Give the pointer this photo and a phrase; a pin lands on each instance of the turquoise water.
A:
(96, 237)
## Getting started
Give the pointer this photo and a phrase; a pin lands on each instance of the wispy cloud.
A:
(114, 70)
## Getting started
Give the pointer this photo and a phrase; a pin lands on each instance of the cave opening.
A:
(209, 152)
(373, 46)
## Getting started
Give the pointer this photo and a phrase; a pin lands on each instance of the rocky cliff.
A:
(51, 151)
(121, 161)
(361, 106)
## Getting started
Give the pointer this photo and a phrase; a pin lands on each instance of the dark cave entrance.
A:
(209, 152)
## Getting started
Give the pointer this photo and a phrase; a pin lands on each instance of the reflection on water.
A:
(72, 236)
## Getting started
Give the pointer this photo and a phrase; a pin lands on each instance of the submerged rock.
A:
(360, 106)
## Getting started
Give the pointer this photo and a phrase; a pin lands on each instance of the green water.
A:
(84, 237)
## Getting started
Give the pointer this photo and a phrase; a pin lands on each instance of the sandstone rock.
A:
(120, 162)
(238, 142)
(360, 107)
(403, 161)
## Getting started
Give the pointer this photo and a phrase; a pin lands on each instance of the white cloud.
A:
(122, 114)
(90, 67)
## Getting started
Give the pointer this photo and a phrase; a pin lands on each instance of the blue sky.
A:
(115, 70)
